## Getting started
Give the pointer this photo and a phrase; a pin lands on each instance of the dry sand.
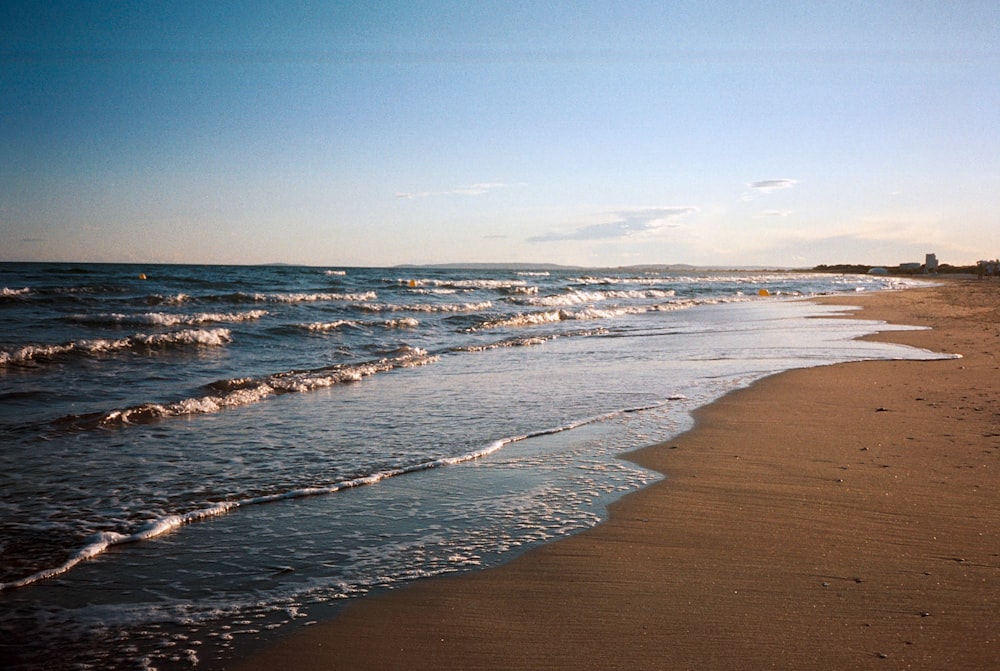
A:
(844, 517)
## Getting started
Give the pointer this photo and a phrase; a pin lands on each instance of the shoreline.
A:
(837, 517)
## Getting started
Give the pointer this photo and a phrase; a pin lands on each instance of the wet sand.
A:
(843, 517)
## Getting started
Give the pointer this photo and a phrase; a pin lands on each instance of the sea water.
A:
(198, 459)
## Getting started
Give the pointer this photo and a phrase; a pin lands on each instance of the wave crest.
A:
(237, 392)
(426, 307)
(405, 322)
(28, 354)
(555, 316)
(168, 319)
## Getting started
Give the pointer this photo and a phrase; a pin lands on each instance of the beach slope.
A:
(842, 517)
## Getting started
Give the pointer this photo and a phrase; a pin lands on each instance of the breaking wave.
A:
(527, 341)
(406, 322)
(306, 297)
(27, 354)
(584, 297)
(6, 292)
(555, 316)
(167, 319)
(236, 392)
(425, 307)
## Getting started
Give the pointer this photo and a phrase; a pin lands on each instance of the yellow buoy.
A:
(763, 292)
(413, 283)
(142, 276)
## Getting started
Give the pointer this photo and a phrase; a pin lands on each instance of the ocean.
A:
(196, 460)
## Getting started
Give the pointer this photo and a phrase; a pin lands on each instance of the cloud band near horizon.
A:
(621, 224)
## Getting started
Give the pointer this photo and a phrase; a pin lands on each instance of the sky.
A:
(582, 133)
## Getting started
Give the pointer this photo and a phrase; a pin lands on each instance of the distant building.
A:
(930, 263)
(909, 267)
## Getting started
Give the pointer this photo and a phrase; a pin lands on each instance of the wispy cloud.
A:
(765, 186)
(621, 224)
(774, 213)
(476, 189)
(768, 185)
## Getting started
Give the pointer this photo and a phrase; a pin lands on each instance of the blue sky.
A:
(587, 133)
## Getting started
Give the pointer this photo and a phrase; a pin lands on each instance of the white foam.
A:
(526, 319)
(203, 405)
(687, 303)
(213, 337)
(218, 336)
(96, 546)
(554, 316)
(176, 299)
(168, 319)
(572, 298)
(523, 291)
(28, 353)
(435, 292)
(6, 291)
(513, 342)
(566, 299)
(426, 307)
(103, 540)
(471, 284)
(313, 297)
(404, 323)
(239, 392)
(328, 326)
(528, 341)
(591, 280)
(609, 313)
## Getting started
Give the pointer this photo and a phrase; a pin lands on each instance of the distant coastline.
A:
(844, 268)
(862, 269)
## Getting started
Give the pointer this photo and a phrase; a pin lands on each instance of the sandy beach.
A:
(843, 517)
